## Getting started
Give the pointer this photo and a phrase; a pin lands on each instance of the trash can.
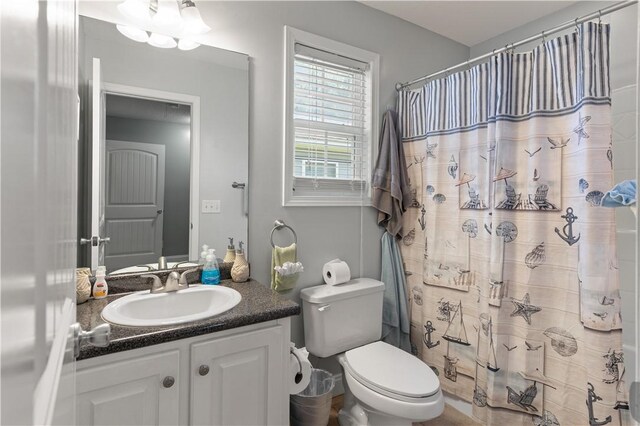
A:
(312, 406)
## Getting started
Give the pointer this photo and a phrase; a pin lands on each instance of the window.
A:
(330, 123)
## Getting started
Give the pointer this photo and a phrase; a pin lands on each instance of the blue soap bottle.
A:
(211, 271)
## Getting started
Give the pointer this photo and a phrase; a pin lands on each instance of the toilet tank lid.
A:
(330, 293)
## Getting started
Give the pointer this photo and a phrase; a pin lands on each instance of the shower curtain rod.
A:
(511, 46)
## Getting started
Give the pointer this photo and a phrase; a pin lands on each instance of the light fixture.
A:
(162, 41)
(193, 23)
(168, 18)
(135, 9)
(186, 44)
(134, 33)
(168, 23)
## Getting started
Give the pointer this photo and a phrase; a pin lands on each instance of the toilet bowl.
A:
(387, 386)
(383, 385)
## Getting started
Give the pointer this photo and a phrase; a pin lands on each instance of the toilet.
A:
(383, 385)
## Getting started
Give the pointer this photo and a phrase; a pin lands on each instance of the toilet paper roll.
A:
(299, 370)
(336, 272)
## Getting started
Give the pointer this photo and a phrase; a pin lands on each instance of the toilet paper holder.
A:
(298, 378)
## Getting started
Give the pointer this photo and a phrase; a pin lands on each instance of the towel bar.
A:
(279, 224)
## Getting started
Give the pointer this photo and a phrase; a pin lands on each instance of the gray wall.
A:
(257, 29)
(176, 140)
(220, 79)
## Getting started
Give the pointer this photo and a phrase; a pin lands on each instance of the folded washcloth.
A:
(623, 194)
(289, 268)
(280, 255)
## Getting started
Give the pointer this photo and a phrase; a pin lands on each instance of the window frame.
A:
(293, 36)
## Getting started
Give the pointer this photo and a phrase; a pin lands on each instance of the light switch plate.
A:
(210, 206)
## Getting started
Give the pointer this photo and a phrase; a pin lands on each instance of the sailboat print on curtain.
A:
(492, 362)
(456, 331)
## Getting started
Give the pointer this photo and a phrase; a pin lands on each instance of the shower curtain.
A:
(510, 260)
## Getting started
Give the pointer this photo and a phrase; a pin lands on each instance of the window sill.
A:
(327, 202)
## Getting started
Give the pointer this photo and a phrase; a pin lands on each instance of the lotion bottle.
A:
(240, 268)
(100, 287)
(231, 252)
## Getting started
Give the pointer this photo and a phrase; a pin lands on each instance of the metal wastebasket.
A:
(312, 406)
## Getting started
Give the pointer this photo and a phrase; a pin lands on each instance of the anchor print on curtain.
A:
(519, 308)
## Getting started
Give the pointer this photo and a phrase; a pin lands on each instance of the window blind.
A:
(330, 124)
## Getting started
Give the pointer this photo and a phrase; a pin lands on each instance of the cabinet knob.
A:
(203, 370)
(168, 381)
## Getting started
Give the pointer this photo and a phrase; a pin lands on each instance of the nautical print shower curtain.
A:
(510, 259)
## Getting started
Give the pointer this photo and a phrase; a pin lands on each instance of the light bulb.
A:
(193, 23)
(133, 33)
(162, 41)
(135, 9)
(168, 17)
(186, 44)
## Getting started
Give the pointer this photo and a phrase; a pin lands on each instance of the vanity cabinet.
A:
(138, 391)
(232, 377)
(237, 380)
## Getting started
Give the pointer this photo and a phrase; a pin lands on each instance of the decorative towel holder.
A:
(279, 224)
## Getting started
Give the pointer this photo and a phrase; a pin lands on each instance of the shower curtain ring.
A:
(544, 38)
(576, 22)
(599, 17)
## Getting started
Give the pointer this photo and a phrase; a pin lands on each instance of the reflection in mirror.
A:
(148, 145)
(164, 135)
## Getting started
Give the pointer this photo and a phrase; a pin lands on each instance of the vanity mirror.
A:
(163, 139)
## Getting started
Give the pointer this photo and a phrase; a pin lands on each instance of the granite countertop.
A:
(258, 304)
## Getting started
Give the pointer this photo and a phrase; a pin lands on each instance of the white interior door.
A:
(38, 211)
(97, 167)
(134, 203)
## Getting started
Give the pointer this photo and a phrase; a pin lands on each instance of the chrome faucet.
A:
(175, 282)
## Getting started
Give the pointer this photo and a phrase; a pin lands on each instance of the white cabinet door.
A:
(132, 392)
(237, 380)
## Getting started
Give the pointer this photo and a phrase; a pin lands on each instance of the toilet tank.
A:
(342, 317)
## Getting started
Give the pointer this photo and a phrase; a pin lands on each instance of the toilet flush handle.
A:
(324, 308)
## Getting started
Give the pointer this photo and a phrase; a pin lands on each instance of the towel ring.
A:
(279, 224)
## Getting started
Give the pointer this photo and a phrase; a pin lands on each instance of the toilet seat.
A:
(405, 412)
(392, 372)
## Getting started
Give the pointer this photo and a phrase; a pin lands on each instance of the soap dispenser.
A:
(211, 271)
(231, 252)
(203, 255)
(240, 268)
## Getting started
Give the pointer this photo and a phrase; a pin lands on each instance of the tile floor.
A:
(450, 417)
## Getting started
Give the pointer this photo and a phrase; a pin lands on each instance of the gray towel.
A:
(390, 183)
(395, 316)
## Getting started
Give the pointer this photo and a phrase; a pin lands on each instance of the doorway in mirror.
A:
(147, 168)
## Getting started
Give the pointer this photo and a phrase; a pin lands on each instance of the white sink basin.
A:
(153, 266)
(143, 309)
